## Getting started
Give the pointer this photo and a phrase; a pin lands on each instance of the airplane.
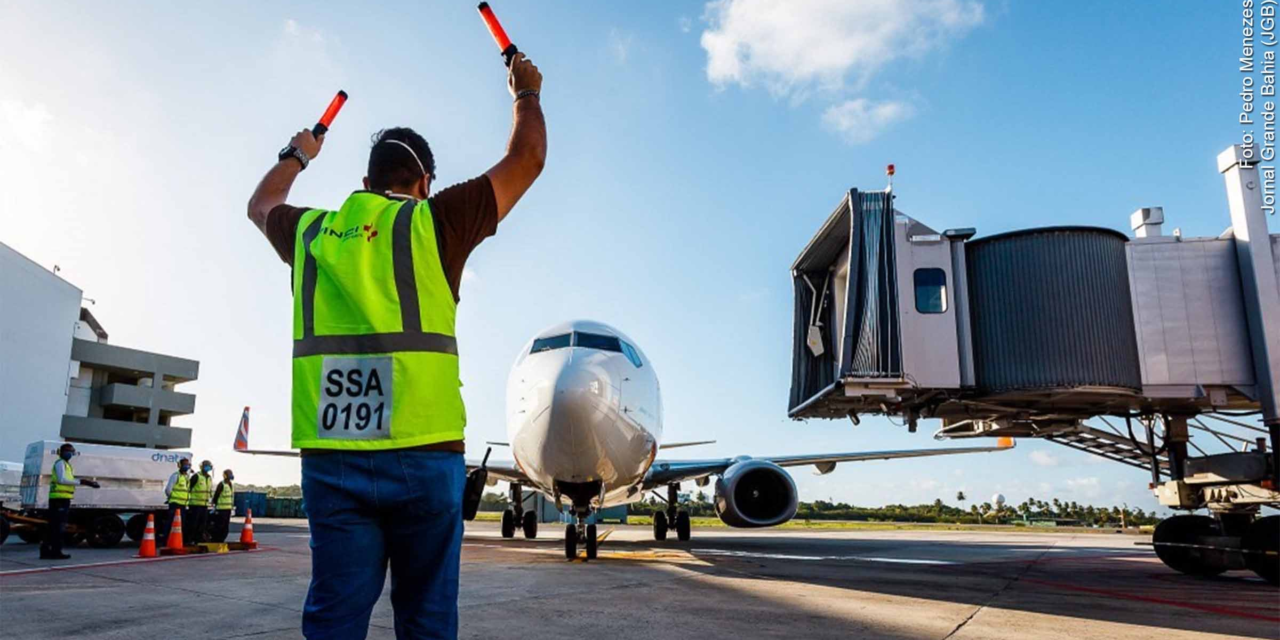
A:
(584, 424)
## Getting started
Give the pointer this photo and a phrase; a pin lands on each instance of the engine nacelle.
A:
(755, 493)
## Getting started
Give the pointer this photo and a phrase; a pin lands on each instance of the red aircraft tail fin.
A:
(242, 433)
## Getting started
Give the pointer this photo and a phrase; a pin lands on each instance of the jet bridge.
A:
(1157, 351)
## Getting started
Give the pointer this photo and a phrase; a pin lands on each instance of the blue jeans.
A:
(368, 509)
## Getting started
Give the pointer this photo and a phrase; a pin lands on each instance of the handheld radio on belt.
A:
(509, 50)
(471, 494)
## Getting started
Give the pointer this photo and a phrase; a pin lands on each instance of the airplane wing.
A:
(667, 471)
(497, 470)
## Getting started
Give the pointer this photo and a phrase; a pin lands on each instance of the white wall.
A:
(38, 313)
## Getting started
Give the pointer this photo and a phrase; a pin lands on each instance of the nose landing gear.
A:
(580, 533)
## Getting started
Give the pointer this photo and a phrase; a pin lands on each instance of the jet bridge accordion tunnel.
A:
(1148, 350)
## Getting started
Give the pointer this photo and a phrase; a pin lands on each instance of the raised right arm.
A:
(527, 148)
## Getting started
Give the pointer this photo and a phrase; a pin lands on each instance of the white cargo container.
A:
(10, 479)
(132, 478)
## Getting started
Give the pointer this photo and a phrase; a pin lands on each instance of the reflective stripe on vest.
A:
(63, 491)
(199, 490)
(375, 360)
(179, 495)
(227, 498)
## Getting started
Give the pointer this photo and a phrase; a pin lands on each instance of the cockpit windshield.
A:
(577, 339)
(553, 342)
(597, 341)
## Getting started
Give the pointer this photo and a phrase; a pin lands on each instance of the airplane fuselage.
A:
(584, 413)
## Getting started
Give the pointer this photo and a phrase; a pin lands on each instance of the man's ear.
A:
(366, 183)
(425, 184)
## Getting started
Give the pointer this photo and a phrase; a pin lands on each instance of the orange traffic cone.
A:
(148, 548)
(175, 532)
(246, 532)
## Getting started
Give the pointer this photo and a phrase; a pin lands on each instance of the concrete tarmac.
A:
(725, 583)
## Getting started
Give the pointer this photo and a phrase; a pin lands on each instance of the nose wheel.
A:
(580, 533)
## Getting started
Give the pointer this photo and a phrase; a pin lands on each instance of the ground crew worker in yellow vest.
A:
(224, 501)
(178, 492)
(377, 406)
(62, 489)
(200, 492)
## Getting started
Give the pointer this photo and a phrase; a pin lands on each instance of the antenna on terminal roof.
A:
(889, 171)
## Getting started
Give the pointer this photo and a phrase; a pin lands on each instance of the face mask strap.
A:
(411, 152)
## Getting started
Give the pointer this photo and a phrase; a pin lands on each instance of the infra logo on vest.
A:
(366, 231)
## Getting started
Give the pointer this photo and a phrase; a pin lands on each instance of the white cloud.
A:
(685, 23)
(860, 119)
(469, 276)
(1043, 458)
(25, 125)
(620, 45)
(789, 45)
(798, 47)
(1089, 488)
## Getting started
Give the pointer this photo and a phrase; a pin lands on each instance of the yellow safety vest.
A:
(179, 494)
(59, 491)
(200, 490)
(226, 499)
(375, 358)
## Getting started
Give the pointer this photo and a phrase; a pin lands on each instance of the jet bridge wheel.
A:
(570, 541)
(1188, 530)
(1261, 544)
(684, 529)
(592, 547)
(508, 524)
(659, 526)
(530, 525)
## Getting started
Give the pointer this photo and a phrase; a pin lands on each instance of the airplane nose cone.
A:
(579, 404)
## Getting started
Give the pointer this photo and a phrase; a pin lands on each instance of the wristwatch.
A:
(526, 93)
(296, 153)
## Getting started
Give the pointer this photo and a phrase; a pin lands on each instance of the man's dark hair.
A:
(391, 166)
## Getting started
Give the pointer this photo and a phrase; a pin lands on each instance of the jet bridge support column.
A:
(1261, 292)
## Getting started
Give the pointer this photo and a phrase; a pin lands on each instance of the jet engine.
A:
(755, 493)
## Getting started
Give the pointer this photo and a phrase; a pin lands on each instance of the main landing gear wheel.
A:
(30, 535)
(4, 529)
(508, 524)
(530, 525)
(591, 542)
(1188, 530)
(683, 529)
(659, 526)
(1261, 546)
(570, 542)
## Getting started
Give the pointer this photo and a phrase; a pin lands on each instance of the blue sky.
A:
(694, 149)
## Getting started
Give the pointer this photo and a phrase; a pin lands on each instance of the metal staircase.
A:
(1111, 446)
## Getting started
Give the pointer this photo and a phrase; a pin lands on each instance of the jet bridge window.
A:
(931, 290)
(549, 343)
(597, 341)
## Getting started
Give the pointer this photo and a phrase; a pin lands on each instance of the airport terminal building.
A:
(60, 378)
